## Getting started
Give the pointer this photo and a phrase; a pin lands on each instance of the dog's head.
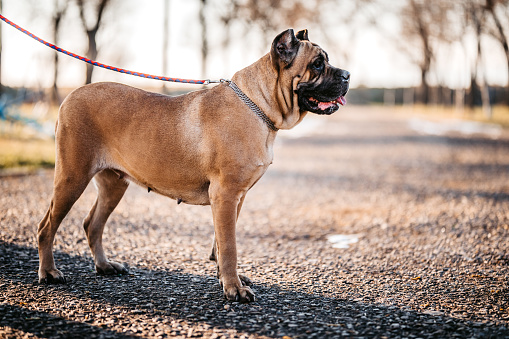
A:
(320, 87)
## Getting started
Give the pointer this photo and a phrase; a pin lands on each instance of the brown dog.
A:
(205, 147)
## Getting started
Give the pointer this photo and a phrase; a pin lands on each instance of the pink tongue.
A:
(324, 105)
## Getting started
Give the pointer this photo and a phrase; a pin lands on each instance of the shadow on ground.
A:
(172, 303)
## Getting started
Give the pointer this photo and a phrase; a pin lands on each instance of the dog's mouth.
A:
(325, 105)
(322, 105)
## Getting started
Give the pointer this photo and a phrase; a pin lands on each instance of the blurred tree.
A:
(499, 12)
(59, 9)
(425, 22)
(227, 18)
(204, 40)
(99, 7)
(475, 15)
(273, 16)
(263, 19)
(166, 34)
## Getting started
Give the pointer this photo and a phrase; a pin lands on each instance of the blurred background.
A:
(447, 58)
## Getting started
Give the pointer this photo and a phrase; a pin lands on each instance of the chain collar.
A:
(251, 105)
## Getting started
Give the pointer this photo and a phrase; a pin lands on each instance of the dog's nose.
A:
(345, 75)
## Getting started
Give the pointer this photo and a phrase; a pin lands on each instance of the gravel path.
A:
(431, 214)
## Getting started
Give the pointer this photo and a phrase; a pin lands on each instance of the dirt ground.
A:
(430, 213)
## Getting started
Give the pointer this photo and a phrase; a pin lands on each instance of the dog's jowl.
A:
(207, 147)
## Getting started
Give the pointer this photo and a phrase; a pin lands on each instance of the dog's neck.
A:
(262, 84)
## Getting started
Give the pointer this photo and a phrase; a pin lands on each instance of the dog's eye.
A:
(318, 64)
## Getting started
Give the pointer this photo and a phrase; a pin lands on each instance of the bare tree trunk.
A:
(502, 38)
(425, 65)
(57, 18)
(459, 100)
(166, 34)
(483, 86)
(485, 94)
(424, 89)
(204, 41)
(473, 91)
(92, 33)
(485, 97)
(91, 53)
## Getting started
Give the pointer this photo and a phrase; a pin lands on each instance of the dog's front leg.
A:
(245, 280)
(225, 204)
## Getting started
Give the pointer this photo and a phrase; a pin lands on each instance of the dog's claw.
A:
(243, 294)
(111, 268)
(50, 279)
(245, 280)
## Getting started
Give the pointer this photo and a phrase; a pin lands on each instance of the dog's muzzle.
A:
(327, 96)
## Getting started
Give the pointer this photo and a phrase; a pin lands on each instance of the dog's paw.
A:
(53, 276)
(242, 294)
(111, 268)
(245, 280)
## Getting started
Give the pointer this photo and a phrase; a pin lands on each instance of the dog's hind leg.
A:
(110, 189)
(67, 189)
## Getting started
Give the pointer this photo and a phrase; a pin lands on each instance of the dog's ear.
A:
(284, 48)
(302, 35)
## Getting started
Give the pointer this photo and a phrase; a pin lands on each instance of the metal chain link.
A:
(251, 105)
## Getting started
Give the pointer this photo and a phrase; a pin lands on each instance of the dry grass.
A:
(26, 153)
(22, 146)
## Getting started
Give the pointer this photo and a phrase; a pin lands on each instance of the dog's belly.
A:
(190, 187)
(197, 195)
(192, 192)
